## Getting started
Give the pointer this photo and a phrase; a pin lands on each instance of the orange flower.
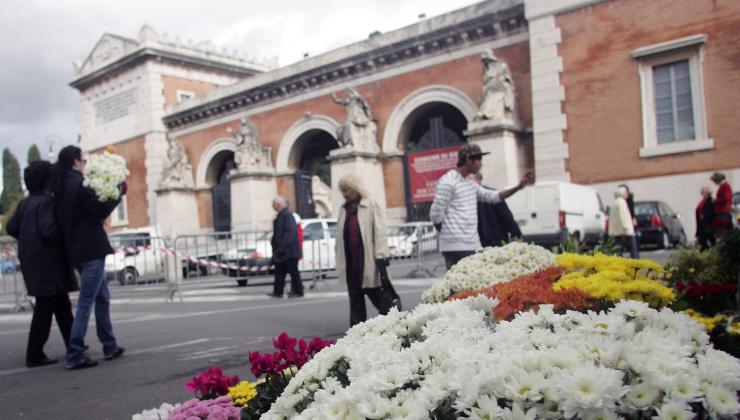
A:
(529, 292)
(111, 149)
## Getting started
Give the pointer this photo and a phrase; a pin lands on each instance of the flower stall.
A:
(512, 332)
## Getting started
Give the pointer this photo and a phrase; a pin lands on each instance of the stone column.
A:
(177, 211)
(346, 161)
(251, 199)
(505, 166)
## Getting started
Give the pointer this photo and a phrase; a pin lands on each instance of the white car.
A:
(549, 212)
(319, 241)
(137, 257)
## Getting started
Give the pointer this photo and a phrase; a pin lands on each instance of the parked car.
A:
(319, 240)
(658, 225)
(135, 258)
(550, 212)
(9, 264)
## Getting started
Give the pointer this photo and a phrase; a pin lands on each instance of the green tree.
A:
(11, 181)
(33, 154)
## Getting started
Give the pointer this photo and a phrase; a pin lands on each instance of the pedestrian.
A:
(454, 209)
(82, 215)
(286, 250)
(704, 216)
(620, 222)
(361, 247)
(496, 224)
(630, 203)
(722, 221)
(46, 272)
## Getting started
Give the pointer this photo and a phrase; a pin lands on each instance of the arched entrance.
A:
(310, 156)
(432, 126)
(217, 176)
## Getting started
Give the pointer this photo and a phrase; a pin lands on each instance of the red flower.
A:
(211, 383)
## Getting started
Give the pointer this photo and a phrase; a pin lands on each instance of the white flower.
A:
(642, 396)
(517, 413)
(103, 173)
(674, 410)
(161, 413)
(722, 401)
(490, 266)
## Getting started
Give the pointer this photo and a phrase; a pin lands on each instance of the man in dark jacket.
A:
(82, 215)
(496, 224)
(286, 250)
(47, 274)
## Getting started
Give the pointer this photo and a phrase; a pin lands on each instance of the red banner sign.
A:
(425, 169)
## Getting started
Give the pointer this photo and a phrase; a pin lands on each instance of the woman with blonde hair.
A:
(362, 245)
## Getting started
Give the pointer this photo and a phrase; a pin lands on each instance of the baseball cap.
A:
(468, 151)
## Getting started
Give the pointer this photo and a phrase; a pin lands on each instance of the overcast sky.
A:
(39, 40)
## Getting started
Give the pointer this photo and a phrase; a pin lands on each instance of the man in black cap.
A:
(454, 211)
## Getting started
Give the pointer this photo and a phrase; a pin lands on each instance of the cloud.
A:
(41, 39)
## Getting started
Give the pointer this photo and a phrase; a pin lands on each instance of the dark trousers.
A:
(289, 266)
(452, 257)
(357, 309)
(629, 243)
(58, 306)
(705, 239)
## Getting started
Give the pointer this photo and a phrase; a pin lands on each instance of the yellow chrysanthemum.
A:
(242, 393)
(614, 278)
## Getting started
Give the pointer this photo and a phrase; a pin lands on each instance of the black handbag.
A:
(388, 296)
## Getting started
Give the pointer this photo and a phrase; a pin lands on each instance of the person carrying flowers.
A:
(82, 212)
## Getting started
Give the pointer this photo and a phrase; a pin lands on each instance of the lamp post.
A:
(51, 140)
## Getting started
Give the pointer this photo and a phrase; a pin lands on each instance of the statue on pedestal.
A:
(249, 153)
(359, 129)
(178, 172)
(498, 96)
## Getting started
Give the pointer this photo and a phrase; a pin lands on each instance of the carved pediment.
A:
(108, 49)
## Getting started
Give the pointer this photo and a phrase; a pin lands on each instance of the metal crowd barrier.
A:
(12, 288)
(137, 259)
(240, 256)
(414, 245)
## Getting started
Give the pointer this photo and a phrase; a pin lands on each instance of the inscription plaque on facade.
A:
(115, 107)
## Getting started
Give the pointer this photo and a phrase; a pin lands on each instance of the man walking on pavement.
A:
(286, 250)
(454, 210)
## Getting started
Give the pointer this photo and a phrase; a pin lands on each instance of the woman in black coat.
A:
(47, 274)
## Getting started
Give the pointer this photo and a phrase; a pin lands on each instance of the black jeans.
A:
(453, 257)
(289, 266)
(58, 306)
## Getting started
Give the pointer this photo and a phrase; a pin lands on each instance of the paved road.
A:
(216, 323)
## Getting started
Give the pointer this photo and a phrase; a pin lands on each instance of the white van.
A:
(550, 211)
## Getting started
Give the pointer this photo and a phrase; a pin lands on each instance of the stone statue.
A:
(177, 172)
(359, 129)
(498, 97)
(249, 153)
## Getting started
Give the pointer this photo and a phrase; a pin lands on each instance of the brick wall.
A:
(137, 204)
(602, 85)
(172, 84)
(383, 95)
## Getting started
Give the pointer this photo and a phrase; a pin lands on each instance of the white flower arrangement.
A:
(161, 413)
(444, 361)
(104, 173)
(490, 266)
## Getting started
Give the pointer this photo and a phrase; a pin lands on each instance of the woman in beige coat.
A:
(361, 244)
(620, 222)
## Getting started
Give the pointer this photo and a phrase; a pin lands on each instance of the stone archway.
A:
(304, 153)
(210, 160)
(397, 129)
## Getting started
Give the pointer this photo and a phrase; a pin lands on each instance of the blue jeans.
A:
(93, 291)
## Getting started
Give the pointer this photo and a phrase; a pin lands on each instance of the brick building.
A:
(606, 91)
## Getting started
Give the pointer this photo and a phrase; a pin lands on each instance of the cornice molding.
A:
(476, 30)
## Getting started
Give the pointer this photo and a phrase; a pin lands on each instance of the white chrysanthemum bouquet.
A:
(104, 173)
(490, 266)
(444, 361)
